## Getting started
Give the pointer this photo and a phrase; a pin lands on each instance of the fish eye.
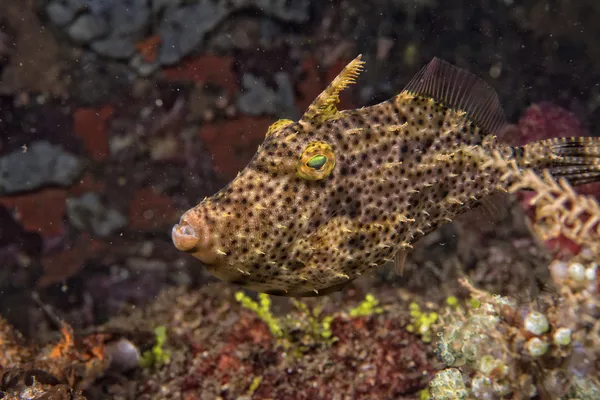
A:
(317, 161)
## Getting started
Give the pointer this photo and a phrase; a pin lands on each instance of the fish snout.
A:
(185, 236)
(193, 235)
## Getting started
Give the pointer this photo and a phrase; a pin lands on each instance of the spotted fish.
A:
(339, 193)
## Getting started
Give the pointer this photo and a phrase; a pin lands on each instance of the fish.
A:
(338, 193)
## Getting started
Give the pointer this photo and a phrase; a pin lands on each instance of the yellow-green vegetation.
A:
(424, 394)
(452, 301)
(369, 306)
(297, 331)
(158, 355)
(421, 322)
(315, 326)
(262, 308)
(253, 386)
(305, 327)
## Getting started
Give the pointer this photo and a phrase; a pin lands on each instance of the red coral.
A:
(546, 121)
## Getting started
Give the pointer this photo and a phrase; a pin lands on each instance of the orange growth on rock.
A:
(90, 125)
(87, 183)
(42, 211)
(232, 143)
(150, 210)
(65, 346)
(148, 48)
(206, 69)
(64, 264)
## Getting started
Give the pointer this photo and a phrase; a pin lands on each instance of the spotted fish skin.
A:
(338, 193)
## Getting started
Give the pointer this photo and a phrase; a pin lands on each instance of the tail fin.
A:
(577, 159)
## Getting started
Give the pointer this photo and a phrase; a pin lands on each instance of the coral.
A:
(158, 355)
(559, 210)
(546, 120)
(498, 344)
(448, 385)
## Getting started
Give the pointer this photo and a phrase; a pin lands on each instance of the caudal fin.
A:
(577, 159)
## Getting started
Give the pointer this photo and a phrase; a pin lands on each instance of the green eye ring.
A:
(317, 161)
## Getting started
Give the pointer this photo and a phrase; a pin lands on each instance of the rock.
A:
(116, 26)
(87, 213)
(87, 27)
(59, 13)
(43, 164)
(182, 29)
(130, 19)
(142, 67)
(158, 5)
(114, 47)
(293, 11)
(258, 99)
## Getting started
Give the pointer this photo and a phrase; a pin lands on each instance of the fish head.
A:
(250, 232)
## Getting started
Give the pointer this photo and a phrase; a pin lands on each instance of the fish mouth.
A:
(192, 235)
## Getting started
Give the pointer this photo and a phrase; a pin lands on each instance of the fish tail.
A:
(577, 159)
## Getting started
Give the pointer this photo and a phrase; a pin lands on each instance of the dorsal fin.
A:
(459, 89)
(324, 106)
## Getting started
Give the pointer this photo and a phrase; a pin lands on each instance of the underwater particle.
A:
(88, 213)
(562, 336)
(448, 385)
(43, 164)
(536, 323)
(577, 272)
(536, 347)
